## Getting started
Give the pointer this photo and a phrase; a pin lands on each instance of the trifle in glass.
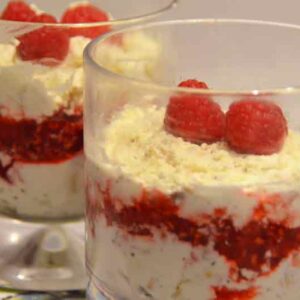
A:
(192, 176)
(41, 131)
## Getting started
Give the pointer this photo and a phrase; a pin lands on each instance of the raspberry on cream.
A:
(86, 13)
(256, 127)
(195, 118)
(18, 10)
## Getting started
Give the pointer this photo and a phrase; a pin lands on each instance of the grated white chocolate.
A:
(137, 142)
(138, 57)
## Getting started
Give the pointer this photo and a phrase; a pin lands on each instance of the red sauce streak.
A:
(225, 294)
(259, 246)
(4, 171)
(93, 207)
(256, 245)
(153, 209)
(51, 140)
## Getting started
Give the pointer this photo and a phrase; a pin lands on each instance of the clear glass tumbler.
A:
(41, 133)
(192, 174)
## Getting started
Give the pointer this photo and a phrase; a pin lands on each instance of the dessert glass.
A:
(169, 219)
(41, 154)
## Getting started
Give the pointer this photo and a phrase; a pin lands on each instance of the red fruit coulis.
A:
(4, 169)
(52, 139)
(259, 246)
(223, 293)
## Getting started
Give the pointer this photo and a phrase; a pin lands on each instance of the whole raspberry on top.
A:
(255, 127)
(195, 118)
(18, 10)
(193, 83)
(44, 18)
(47, 45)
(86, 13)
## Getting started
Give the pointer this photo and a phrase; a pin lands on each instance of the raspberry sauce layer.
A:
(51, 140)
(226, 294)
(259, 246)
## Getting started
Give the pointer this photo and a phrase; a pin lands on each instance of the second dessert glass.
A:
(41, 133)
(194, 193)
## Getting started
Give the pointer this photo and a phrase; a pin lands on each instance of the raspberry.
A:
(255, 127)
(43, 18)
(193, 83)
(47, 45)
(195, 118)
(86, 13)
(18, 11)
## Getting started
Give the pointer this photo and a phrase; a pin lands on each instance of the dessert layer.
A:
(266, 224)
(167, 269)
(46, 191)
(137, 142)
(31, 90)
(53, 139)
(134, 55)
(218, 242)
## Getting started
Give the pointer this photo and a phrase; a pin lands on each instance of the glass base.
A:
(97, 290)
(95, 293)
(42, 257)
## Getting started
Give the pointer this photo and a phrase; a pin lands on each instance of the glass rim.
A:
(121, 21)
(88, 58)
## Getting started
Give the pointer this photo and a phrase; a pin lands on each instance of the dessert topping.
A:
(86, 13)
(43, 18)
(18, 11)
(193, 83)
(47, 45)
(255, 127)
(193, 117)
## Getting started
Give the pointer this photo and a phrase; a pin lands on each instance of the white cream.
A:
(75, 56)
(22, 95)
(34, 91)
(162, 268)
(46, 191)
(8, 54)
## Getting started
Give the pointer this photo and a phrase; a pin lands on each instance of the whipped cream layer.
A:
(39, 191)
(32, 90)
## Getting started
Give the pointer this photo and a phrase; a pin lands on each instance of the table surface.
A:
(16, 295)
